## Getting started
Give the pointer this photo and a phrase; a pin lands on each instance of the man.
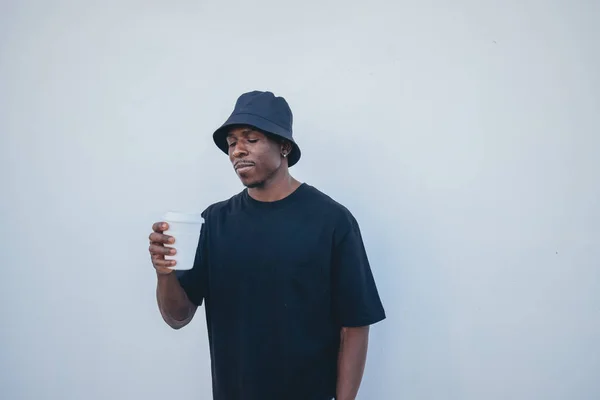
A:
(281, 269)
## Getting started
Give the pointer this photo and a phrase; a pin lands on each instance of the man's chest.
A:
(254, 252)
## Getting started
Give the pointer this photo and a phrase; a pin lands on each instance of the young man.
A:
(281, 269)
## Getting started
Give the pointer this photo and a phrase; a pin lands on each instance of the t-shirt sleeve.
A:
(356, 301)
(193, 281)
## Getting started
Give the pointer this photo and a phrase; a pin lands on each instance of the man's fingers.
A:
(160, 227)
(156, 249)
(156, 237)
(164, 263)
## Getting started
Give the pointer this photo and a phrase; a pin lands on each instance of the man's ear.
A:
(286, 146)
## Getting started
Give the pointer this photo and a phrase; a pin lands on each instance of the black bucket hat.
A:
(267, 113)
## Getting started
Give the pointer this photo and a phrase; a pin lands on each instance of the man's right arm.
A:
(175, 307)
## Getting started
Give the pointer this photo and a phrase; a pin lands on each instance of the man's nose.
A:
(239, 150)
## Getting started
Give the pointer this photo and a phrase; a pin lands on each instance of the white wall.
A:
(463, 135)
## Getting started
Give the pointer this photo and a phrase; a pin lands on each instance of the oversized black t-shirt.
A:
(279, 280)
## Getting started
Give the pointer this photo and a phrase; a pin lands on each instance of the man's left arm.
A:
(356, 306)
(351, 361)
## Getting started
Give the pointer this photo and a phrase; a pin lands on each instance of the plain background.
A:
(464, 137)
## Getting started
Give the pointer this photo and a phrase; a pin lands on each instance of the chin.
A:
(252, 183)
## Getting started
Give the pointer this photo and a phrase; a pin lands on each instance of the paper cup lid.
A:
(176, 216)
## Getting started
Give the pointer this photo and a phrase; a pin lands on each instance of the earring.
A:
(284, 154)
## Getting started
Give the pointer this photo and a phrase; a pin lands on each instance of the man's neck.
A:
(279, 187)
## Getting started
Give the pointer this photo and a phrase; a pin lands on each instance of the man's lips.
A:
(243, 164)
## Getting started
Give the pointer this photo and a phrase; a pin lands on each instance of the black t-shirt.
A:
(279, 280)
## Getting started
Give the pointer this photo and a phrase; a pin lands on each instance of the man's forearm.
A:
(175, 307)
(351, 361)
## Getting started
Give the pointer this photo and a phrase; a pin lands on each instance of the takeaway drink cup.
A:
(185, 228)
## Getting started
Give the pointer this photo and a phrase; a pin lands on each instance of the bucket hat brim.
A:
(260, 123)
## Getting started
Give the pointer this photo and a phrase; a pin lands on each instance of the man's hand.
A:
(158, 251)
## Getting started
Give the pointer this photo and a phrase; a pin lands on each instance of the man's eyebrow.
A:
(244, 132)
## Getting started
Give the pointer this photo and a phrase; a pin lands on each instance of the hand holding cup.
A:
(158, 250)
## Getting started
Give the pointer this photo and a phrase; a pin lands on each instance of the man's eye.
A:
(232, 144)
(253, 140)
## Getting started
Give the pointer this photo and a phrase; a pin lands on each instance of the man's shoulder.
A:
(223, 206)
(330, 206)
(323, 198)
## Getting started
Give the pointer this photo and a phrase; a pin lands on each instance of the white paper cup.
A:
(185, 228)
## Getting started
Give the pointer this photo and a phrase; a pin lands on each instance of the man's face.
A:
(255, 157)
